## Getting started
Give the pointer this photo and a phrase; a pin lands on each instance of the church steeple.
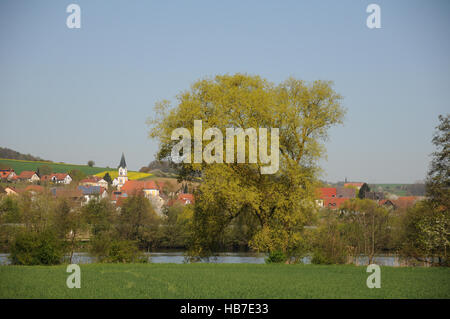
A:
(123, 164)
(123, 172)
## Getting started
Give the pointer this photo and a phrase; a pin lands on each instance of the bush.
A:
(329, 241)
(124, 251)
(320, 258)
(31, 248)
(110, 250)
(276, 257)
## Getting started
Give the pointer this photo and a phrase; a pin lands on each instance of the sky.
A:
(73, 95)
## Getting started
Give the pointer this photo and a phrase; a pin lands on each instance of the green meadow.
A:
(222, 281)
(19, 166)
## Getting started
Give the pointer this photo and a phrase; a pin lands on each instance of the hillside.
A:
(417, 189)
(21, 165)
(11, 154)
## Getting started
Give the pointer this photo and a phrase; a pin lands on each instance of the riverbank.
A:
(179, 257)
(222, 281)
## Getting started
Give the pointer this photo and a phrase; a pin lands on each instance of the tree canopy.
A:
(282, 202)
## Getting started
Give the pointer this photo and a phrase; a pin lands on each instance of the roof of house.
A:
(186, 197)
(345, 192)
(35, 188)
(334, 203)
(326, 192)
(4, 173)
(26, 174)
(385, 202)
(182, 199)
(91, 179)
(117, 194)
(131, 187)
(66, 192)
(405, 201)
(60, 176)
(91, 190)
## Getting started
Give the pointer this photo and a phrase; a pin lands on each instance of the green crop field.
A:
(19, 166)
(396, 189)
(222, 281)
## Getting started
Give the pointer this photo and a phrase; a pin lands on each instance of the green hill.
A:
(417, 189)
(20, 165)
(12, 154)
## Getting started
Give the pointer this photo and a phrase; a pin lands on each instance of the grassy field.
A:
(19, 166)
(396, 189)
(222, 281)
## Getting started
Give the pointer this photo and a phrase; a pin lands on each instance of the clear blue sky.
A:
(75, 95)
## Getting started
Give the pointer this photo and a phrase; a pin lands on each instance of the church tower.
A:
(123, 172)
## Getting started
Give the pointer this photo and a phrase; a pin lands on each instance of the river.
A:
(178, 257)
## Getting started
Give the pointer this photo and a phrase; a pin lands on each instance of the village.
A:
(160, 193)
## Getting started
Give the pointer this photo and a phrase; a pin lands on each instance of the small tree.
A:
(107, 178)
(367, 226)
(91, 163)
(37, 248)
(438, 180)
(426, 226)
(138, 220)
(425, 233)
(329, 241)
(77, 175)
(362, 191)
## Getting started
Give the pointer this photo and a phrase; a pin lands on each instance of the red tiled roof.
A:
(26, 174)
(35, 188)
(59, 176)
(405, 201)
(327, 192)
(334, 203)
(66, 192)
(92, 179)
(182, 199)
(131, 187)
(186, 197)
(4, 173)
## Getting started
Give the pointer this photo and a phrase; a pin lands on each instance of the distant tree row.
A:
(11, 154)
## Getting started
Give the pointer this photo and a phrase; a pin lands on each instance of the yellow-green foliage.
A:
(283, 202)
(131, 175)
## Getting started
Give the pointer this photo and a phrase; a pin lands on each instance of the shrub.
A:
(319, 257)
(32, 248)
(276, 257)
(124, 251)
(111, 250)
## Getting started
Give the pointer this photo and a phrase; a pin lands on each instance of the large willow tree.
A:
(280, 203)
